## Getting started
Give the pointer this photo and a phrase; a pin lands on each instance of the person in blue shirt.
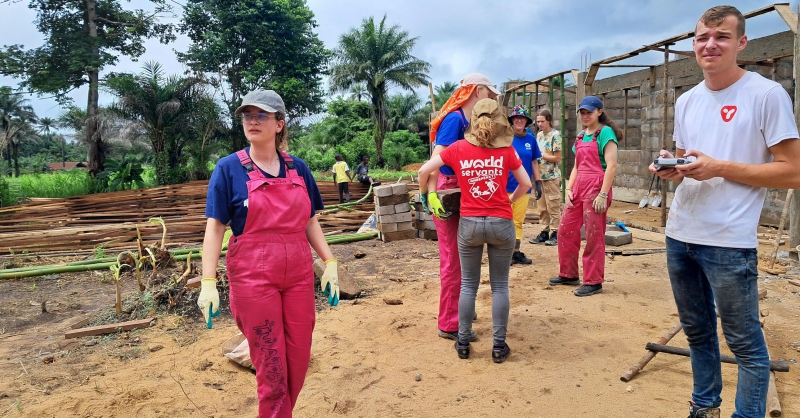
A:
(528, 150)
(269, 198)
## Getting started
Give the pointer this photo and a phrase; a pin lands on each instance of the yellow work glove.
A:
(435, 206)
(600, 202)
(208, 301)
(329, 282)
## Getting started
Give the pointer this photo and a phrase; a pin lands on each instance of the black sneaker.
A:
(564, 280)
(462, 350)
(519, 258)
(553, 240)
(376, 183)
(700, 412)
(500, 354)
(454, 335)
(588, 290)
(540, 239)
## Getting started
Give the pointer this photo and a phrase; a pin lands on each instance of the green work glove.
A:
(329, 282)
(423, 198)
(208, 301)
(435, 206)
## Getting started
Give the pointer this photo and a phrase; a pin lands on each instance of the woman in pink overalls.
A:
(269, 199)
(588, 196)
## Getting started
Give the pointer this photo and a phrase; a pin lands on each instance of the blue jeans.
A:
(702, 277)
(499, 236)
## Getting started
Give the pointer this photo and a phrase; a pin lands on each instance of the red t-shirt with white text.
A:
(482, 175)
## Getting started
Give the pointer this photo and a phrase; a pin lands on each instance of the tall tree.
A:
(81, 38)
(162, 106)
(251, 44)
(379, 56)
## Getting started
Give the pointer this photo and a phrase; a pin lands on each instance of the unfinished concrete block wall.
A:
(646, 98)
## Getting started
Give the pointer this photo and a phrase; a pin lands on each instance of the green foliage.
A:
(402, 148)
(379, 57)
(251, 44)
(75, 182)
(122, 175)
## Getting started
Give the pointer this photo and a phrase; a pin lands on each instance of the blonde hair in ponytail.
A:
(484, 130)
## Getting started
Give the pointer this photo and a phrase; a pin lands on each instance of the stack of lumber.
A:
(110, 219)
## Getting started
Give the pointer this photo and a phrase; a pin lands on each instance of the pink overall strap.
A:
(247, 163)
(291, 172)
(596, 133)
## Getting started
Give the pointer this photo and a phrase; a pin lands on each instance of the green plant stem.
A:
(23, 272)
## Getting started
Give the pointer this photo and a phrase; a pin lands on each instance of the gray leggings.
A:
(499, 235)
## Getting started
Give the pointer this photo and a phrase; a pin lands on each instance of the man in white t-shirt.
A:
(740, 127)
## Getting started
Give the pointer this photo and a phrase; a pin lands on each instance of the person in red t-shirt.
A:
(482, 164)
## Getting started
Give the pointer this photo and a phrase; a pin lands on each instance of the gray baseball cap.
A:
(266, 100)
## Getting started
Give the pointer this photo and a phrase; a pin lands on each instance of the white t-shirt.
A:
(736, 124)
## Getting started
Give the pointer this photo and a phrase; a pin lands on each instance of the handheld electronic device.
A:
(662, 163)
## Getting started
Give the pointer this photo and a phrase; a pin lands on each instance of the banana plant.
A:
(138, 263)
(159, 220)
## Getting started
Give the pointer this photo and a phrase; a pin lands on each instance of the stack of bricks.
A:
(423, 221)
(394, 212)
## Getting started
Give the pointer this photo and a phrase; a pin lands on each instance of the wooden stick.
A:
(110, 328)
(782, 222)
(633, 371)
(774, 365)
(773, 403)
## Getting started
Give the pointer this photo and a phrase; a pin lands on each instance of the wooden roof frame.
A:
(783, 9)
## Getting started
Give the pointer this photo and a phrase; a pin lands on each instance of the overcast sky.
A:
(502, 39)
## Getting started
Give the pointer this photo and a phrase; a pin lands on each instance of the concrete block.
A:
(425, 225)
(426, 234)
(402, 208)
(399, 235)
(403, 226)
(403, 217)
(384, 210)
(382, 191)
(391, 199)
(348, 286)
(399, 188)
(617, 238)
(609, 228)
(423, 216)
(417, 207)
(387, 227)
(415, 198)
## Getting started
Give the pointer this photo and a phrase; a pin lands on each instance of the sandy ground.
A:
(371, 359)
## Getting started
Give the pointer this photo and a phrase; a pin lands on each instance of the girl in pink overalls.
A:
(268, 197)
(588, 196)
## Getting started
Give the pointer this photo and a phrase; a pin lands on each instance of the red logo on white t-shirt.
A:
(728, 112)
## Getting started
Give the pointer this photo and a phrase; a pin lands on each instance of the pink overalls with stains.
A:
(272, 285)
(584, 191)
(449, 262)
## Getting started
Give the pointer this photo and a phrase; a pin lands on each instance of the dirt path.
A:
(371, 359)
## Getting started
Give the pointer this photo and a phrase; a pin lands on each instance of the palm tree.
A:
(358, 91)
(161, 106)
(46, 126)
(402, 108)
(15, 118)
(380, 57)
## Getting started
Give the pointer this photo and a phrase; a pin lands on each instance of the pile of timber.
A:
(110, 219)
